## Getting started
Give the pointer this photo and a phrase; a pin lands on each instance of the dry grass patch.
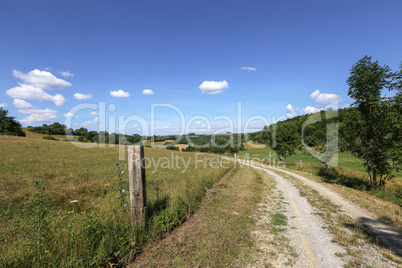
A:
(218, 235)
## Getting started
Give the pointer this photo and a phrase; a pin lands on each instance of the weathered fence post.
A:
(235, 159)
(301, 163)
(136, 171)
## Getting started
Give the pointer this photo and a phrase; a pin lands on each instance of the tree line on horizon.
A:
(197, 143)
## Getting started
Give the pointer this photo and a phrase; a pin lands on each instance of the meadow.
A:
(61, 205)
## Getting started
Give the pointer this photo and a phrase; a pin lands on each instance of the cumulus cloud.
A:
(213, 87)
(314, 95)
(310, 110)
(88, 123)
(148, 92)
(66, 74)
(80, 96)
(248, 68)
(3, 105)
(37, 115)
(41, 79)
(324, 98)
(119, 94)
(93, 113)
(70, 115)
(290, 112)
(24, 91)
(22, 104)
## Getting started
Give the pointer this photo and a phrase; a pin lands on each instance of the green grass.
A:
(278, 219)
(345, 159)
(96, 230)
(349, 171)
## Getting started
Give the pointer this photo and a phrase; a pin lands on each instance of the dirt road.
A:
(307, 232)
(390, 236)
(316, 243)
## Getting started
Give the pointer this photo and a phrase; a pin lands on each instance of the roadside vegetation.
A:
(219, 234)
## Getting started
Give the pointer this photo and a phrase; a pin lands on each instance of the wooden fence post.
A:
(301, 163)
(136, 171)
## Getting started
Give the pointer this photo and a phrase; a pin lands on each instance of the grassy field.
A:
(79, 215)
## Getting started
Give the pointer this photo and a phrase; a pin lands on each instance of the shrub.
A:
(49, 138)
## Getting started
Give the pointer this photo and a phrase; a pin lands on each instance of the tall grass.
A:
(66, 206)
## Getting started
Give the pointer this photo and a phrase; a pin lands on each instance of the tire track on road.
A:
(307, 231)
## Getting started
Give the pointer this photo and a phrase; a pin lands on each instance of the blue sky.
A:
(181, 51)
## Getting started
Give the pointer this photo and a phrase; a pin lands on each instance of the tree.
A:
(320, 136)
(286, 139)
(8, 125)
(369, 129)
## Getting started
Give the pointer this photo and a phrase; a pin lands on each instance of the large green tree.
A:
(320, 137)
(370, 129)
(8, 125)
(286, 139)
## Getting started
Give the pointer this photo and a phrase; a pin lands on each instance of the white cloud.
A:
(290, 112)
(310, 110)
(324, 98)
(88, 123)
(315, 94)
(37, 115)
(148, 92)
(66, 74)
(213, 87)
(119, 94)
(80, 96)
(70, 115)
(22, 104)
(93, 113)
(3, 105)
(41, 79)
(29, 92)
(327, 98)
(248, 68)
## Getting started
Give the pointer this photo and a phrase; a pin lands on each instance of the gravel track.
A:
(390, 236)
(307, 231)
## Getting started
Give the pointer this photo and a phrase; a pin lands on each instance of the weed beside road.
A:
(219, 234)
